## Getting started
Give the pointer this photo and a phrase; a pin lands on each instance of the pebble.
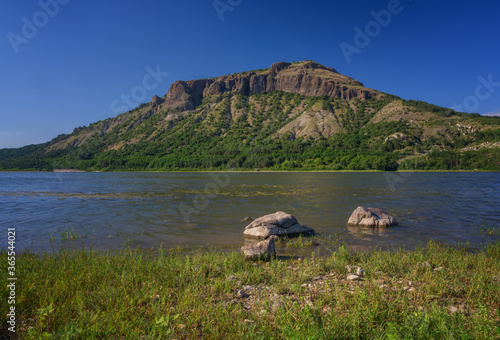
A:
(327, 309)
(231, 277)
(355, 269)
(352, 277)
(438, 269)
(360, 271)
(453, 309)
(155, 298)
(248, 321)
(317, 278)
(241, 294)
(276, 304)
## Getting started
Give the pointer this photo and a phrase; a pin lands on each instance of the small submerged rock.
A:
(371, 217)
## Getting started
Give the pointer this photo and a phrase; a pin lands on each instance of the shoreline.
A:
(250, 171)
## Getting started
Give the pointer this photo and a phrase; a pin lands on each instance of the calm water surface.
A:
(110, 210)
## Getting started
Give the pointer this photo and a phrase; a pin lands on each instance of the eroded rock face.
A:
(308, 79)
(276, 67)
(264, 250)
(279, 224)
(156, 101)
(371, 217)
(178, 97)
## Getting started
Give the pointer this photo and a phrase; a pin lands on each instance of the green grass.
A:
(171, 293)
(486, 229)
(308, 241)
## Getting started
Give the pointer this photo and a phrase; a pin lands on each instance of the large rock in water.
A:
(371, 217)
(264, 250)
(279, 224)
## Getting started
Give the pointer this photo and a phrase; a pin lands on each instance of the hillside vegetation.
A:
(289, 117)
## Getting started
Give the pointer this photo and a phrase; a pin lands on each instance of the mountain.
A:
(299, 115)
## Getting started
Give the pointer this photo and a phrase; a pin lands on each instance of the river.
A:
(50, 211)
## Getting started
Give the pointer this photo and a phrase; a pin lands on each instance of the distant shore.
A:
(238, 171)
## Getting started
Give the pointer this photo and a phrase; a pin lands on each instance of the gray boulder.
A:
(264, 250)
(279, 224)
(371, 217)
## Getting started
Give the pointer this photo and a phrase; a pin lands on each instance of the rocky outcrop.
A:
(279, 224)
(178, 97)
(276, 67)
(371, 217)
(157, 101)
(264, 250)
(307, 78)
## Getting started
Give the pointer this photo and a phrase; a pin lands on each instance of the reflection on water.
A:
(109, 210)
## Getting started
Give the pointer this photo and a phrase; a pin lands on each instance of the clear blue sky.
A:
(84, 55)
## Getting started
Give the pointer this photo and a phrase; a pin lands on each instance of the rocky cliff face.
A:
(306, 78)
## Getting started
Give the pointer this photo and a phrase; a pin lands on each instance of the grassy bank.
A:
(433, 292)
